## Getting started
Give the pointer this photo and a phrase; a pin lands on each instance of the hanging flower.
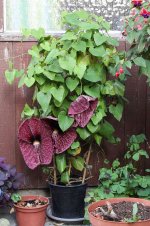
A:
(39, 139)
(137, 3)
(35, 141)
(82, 110)
(145, 13)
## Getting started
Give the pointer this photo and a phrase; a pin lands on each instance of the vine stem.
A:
(55, 174)
(86, 163)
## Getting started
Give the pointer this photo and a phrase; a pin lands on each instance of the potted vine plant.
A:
(137, 31)
(122, 181)
(78, 80)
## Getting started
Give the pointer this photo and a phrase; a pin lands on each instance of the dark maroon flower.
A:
(82, 110)
(35, 141)
(39, 139)
(63, 141)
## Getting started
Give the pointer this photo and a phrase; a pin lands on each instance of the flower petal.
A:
(34, 124)
(79, 105)
(24, 131)
(63, 141)
(83, 117)
(30, 154)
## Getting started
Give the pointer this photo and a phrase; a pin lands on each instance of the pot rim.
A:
(129, 199)
(69, 186)
(33, 208)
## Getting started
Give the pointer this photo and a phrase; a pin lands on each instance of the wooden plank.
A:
(7, 107)
(1, 17)
(135, 110)
(23, 95)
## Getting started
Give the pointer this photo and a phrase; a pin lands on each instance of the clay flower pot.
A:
(100, 222)
(33, 216)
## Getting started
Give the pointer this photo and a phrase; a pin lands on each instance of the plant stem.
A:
(55, 174)
(86, 163)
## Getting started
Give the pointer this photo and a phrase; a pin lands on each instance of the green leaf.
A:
(95, 73)
(112, 41)
(64, 121)
(98, 139)
(27, 111)
(119, 88)
(99, 39)
(116, 111)
(93, 91)
(61, 163)
(10, 76)
(75, 145)
(107, 130)
(43, 100)
(98, 116)
(92, 128)
(72, 83)
(79, 46)
(88, 26)
(52, 55)
(80, 68)
(21, 81)
(49, 75)
(83, 133)
(78, 163)
(15, 197)
(29, 81)
(74, 152)
(68, 63)
(38, 33)
(68, 36)
(139, 61)
(65, 177)
(46, 46)
(58, 94)
(98, 51)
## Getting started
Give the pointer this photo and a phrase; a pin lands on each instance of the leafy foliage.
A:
(137, 30)
(10, 181)
(83, 61)
(122, 181)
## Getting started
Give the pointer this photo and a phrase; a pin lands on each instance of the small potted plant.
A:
(30, 210)
(137, 31)
(78, 80)
(122, 181)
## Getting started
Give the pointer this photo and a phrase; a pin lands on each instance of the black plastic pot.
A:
(68, 201)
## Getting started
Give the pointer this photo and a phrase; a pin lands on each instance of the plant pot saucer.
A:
(50, 215)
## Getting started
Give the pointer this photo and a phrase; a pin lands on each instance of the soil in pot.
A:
(123, 212)
(31, 211)
(124, 208)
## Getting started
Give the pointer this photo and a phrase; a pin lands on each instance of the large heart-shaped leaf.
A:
(29, 81)
(61, 163)
(64, 121)
(78, 163)
(43, 100)
(72, 83)
(58, 94)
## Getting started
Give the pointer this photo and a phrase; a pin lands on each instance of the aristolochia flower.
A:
(145, 13)
(82, 110)
(39, 139)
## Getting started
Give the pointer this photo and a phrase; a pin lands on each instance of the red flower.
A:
(82, 110)
(39, 139)
(117, 74)
(145, 13)
(137, 3)
(121, 71)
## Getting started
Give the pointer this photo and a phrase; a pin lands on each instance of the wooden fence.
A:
(136, 118)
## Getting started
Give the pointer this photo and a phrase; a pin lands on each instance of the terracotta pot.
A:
(34, 216)
(100, 222)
